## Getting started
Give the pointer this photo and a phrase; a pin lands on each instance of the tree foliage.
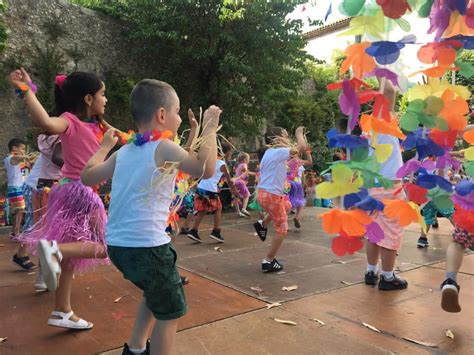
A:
(237, 55)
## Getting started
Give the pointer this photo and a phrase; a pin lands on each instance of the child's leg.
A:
(454, 257)
(245, 203)
(83, 250)
(22, 251)
(373, 256)
(198, 218)
(236, 202)
(267, 221)
(17, 218)
(62, 301)
(298, 212)
(277, 241)
(217, 218)
(188, 221)
(143, 324)
(163, 336)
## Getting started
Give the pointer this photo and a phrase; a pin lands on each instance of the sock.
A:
(138, 351)
(265, 261)
(451, 275)
(387, 275)
(373, 268)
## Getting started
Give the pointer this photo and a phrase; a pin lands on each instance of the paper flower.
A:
(382, 152)
(442, 52)
(387, 52)
(446, 161)
(436, 87)
(394, 8)
(369, 123)
(423, 144)
(416, 193)
(403, 211)
(362, 201)
(464, 218)
(351, 7)
(337, 140)
(384, 73)
(349, 103)
(440, 198)
(369, 168)
(343, 245)
(374, 232)
(343, 183)
(423, 112)
(454, 111)
(413, 165)
(445, 139)
(469, 136)
(358, 60)
(381, 107)
(371, 25)
(430, 181)
(351, 223)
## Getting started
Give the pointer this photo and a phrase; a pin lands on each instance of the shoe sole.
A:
(421, 246)
(258, 234)
(450, 299)
(390, 288)
(192, 237)
(217, 239)
(272, 270)
(371, 283)
(49, 276)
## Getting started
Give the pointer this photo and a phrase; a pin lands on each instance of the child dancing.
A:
(271, 194)
(70, 236)
(137, 242)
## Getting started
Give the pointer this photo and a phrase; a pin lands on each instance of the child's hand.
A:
(110, 139)
(19, 77)
(192, 120)
(211, 117)
(299, 131)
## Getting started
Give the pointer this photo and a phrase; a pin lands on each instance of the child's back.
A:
(138, 211)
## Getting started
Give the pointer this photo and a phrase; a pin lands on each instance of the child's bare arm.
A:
(300, 139)
(228, 179)
(97, 170)
(309, 158)
(205, 163)
(193, 133)
(39, 115)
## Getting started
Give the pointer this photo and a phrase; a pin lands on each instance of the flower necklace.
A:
(141, 138)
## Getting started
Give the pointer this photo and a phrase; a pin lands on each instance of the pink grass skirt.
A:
(75, 213)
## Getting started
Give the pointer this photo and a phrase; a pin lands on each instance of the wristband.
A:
(23, 88)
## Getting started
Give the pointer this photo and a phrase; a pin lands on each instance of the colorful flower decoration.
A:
(394, 8)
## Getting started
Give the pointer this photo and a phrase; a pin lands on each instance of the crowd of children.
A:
(66, 225)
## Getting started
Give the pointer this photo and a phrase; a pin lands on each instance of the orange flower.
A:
(351, 223)
(370, 123)
(358, 59)
(405, 212)
(454, 110)
(469, 136)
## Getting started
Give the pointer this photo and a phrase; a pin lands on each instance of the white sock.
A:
(387, 275)
(373, 268)
(138, 351)
(265, 261)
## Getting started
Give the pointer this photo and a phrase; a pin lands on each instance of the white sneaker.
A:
(245, 212)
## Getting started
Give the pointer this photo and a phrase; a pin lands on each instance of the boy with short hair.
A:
(15, 176)
(142, 191)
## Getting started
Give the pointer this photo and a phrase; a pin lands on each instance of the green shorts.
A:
(154, 271)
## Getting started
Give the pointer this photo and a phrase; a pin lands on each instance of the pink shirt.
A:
(46, 145)
(79, 145)
(241, 168)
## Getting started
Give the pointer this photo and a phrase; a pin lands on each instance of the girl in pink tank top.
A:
(70, 236)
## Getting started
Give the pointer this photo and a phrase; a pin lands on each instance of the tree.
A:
(229, 53)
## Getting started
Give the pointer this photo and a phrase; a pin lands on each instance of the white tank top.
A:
(211, 183)
(139, 206)
(14, 175)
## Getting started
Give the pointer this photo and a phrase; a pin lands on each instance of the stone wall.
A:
(96, 35)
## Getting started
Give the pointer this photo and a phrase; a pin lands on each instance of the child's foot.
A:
(68, 320)
(194, 235)
(371, 278)
(216, 235)
(184, 280)
(50, 258)
(395, 283)
(184, 231)
(450, 296)
(25, 263)
(126, 350)
(422, 242)
(245, 212)
(271, 266)
(297, 223)
(261, 230)
(241, 215)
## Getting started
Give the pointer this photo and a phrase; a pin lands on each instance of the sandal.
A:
(25, 263)
(66, 322)
(50, 268)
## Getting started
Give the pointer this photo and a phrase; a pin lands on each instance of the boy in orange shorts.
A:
(271, 194)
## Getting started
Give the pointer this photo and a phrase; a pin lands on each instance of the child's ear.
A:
(160, 115)
(88, 99)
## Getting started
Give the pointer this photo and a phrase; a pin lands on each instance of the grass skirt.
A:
(75, 213)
